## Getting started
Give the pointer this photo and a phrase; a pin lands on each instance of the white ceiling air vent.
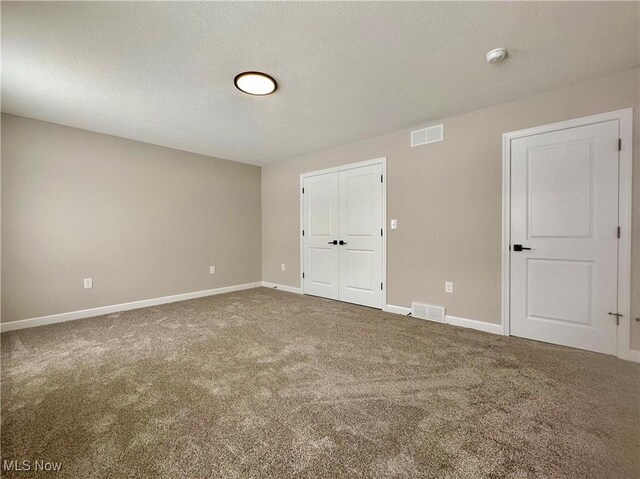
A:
(427, 135)
(428, 311)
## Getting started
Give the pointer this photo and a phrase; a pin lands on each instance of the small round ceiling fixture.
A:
(255, 83)
(496, 55)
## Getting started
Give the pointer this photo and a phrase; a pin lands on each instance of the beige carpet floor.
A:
(263, 383)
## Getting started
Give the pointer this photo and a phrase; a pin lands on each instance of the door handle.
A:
(333, 242)
(342, 242)
(519, 247)
(617, 315)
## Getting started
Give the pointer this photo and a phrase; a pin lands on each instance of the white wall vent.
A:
(428, 311)
(428, 135)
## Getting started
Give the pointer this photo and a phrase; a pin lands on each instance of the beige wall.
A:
(77, 204)
(142, 220)
(447, 199)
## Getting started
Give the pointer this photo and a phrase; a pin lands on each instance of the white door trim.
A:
(625, 119)
(377, 161)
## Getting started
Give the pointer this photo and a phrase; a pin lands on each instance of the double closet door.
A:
(342, 235)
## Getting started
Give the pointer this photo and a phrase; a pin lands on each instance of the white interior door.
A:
(343, 235)
(320, 229)
(361, 232)
(564, 207)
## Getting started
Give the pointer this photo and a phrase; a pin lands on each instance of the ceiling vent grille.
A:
(428, 135)
(428, 311)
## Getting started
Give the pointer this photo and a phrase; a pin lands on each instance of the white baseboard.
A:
(473, 324)
(282, 287)
(453, 320)
(87, 313)
(627, 355)
(390, 308)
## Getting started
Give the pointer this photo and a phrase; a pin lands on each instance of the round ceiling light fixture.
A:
(255, 83)
(496, 55)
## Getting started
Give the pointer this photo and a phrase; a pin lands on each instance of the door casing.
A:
(378, 161)
(625, 121)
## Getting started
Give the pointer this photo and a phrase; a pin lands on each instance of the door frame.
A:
(377, 161)
(625, 119)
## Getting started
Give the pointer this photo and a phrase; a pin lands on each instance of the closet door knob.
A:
(333, 242)
(342, 242)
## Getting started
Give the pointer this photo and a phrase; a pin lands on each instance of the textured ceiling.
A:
(163, 72)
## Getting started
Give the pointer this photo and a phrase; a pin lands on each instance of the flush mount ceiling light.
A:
(496, 55)
(255, 83)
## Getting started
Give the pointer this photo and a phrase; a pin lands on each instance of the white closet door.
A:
(564, 245)
(320, 202)
(361, 232)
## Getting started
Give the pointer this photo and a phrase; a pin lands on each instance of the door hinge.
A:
(619, 144)
(381, 286)
(381, 232)
(302, 275)
(381, 179)
(618, 232)
(303, 191)
(302, 232)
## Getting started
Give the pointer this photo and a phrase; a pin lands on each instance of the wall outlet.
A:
(212, 270)
(394, 224)
(283, 267)
(448, 287)
(88, 283)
